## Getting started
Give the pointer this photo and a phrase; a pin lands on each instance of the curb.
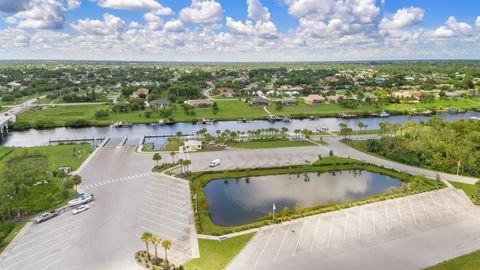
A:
(90, 157)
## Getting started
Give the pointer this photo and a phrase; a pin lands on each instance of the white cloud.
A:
(477, 22)
(73, 4)
(10, 20)
(404, 17)
(14, 6)
(136, 5)
(239, 27)
(203, 12)
(256, 11)
(111, 25)
(452, 28)
(174, 26)
(155, 23)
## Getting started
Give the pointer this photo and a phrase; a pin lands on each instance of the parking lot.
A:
(405, 233)
(129, 200)
(252, 158)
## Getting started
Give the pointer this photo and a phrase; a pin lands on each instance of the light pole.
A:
(196, 203)
(273, 212)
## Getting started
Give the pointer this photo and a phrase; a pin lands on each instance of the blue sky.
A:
(239, 30)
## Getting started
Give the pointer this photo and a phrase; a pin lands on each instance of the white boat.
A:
(384, 114)
(474, 118)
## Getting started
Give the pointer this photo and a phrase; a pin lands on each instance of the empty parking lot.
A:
(405, 233)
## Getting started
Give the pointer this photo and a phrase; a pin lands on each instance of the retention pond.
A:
(244, 200)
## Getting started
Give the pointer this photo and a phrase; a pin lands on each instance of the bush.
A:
(101, 114)
(78, 123)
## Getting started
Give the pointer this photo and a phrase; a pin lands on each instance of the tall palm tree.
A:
(187, 163)
(360, 125)
(172, 154)
(146, 238)
(166, 244)
(77, 180)
(155, 240)
(180, 161)
(157, 157)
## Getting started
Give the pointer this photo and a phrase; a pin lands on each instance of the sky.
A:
(239, 30)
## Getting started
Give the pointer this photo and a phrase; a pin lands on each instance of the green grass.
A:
(200, 180)
(469, 261)
(269, 144)
(58, 155)
(21, 99)
(459, 103)
(228, 110)
(172, 144)
(44, 196)
(215, 255)
(469, 189)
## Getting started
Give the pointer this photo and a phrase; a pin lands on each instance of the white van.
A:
(214, 163)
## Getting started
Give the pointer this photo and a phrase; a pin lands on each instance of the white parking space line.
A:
(447, 204)
(424, 209)
(386, 216)
(359, 222)
(184, 223)
(283, 241)
(264, 247)
(435, 204)
(182, 213)
(163, 225)
(455, 195)
(49, 266)
(373, 221)
(315, 233)
(399, 214)
(411, 210)
(331, 228)
(345, 227)
(300, 236)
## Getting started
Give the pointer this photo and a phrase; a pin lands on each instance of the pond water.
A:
(240, 201)
(34, 137)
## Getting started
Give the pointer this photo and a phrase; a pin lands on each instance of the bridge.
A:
(10, 116)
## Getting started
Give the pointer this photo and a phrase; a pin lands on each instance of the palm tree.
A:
(297, 131)
(187, 163)
(365, 127)
(180, 161)
(155, 240)
(146, 236)
(172, 154)
(166, 244)
(157, 157)
(360, 125)
(77, 180)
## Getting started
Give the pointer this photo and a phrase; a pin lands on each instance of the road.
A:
(17, 109)
(129, 201)
(412, 232)
(341, 149)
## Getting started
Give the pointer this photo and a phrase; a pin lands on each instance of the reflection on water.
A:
(240, 201)
(35, 137)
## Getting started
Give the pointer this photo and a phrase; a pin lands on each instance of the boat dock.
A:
(75, 139)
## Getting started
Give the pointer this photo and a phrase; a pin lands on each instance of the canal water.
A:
(35, 137)
(240, 201)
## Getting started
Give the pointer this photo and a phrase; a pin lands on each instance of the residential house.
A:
(288, 101)
(140, 92)
(192, 146)
(199, 103)
(333, 99)
(313, 99)
(226, 92)
(159, 103)
(259, 101)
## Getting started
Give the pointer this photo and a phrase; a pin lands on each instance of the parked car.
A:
(81, 200)
(214, 163)
(80, 209)
(46, 216)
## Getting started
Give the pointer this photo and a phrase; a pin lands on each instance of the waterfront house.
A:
(313, 99)
(199, 103)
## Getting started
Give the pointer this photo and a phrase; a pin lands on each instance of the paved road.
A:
(406, 233)
(16, 109)
(129, 200)
(252, 158)
(341, 149)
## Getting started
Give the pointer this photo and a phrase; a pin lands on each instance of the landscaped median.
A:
(412, 185)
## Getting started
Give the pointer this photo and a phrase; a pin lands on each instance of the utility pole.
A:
(273, 212)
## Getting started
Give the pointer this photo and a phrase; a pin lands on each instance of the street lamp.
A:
(196, 203)
(273, 212)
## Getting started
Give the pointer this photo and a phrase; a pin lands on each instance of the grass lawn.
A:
(172, 144)
(58, 155)
(459, 103)
(8, 231)
(319, 109)
(215, 255)
(469, 189)
(228, 110)
(361, 132)
(469, 261)
(269, 144)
